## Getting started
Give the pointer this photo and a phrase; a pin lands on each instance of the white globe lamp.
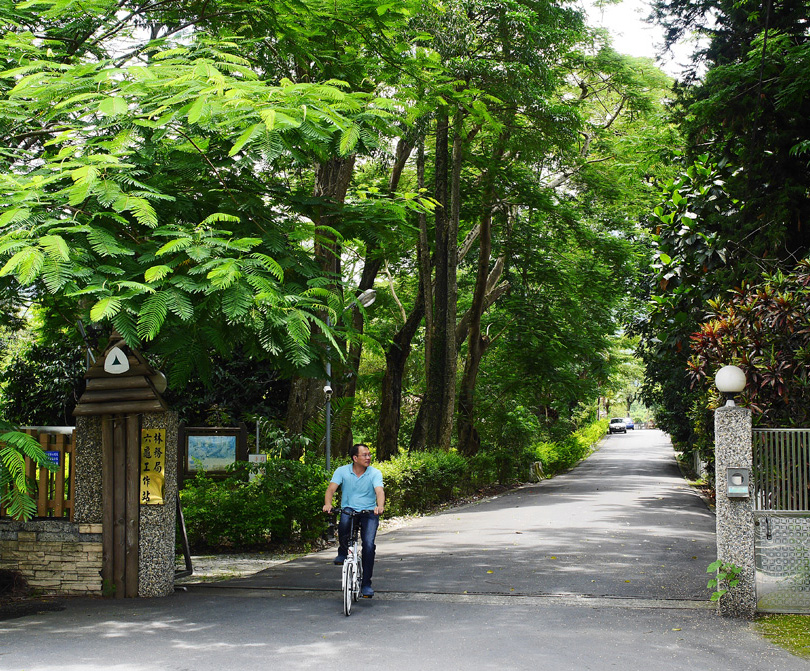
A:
(730, 381)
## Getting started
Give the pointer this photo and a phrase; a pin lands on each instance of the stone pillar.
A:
(156, 527)
(735, 518)
(88, 502)
(156, 547)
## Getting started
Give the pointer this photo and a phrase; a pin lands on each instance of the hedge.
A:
(284, 504)
(279, 506)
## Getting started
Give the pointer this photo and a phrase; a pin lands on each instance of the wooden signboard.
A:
(211, 449)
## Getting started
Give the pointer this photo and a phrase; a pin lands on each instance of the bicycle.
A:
(352, 576)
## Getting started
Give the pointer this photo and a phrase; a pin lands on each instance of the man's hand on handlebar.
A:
(329, 510)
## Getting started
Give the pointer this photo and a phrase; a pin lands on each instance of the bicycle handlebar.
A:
(349, 511)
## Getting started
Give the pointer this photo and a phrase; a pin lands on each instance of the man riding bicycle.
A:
(361, 488)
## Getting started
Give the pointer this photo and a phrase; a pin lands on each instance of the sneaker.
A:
(366, 591)
(339, 560)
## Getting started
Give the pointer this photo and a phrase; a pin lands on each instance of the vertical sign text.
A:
(153, 461)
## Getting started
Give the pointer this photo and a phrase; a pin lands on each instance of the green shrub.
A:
(502, 465)
(482, 469)
(565, 454)
(281, 505)
(299, 490)
(417, 481)
(512, 426)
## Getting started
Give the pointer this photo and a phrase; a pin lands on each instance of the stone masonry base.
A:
(54, 556)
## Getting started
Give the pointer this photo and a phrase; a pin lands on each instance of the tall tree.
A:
(486, 104)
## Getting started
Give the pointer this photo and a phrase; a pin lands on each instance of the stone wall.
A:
(60, 557)
(54, 556)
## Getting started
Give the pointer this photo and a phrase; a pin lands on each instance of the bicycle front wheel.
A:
(358, 579)
(348, 587)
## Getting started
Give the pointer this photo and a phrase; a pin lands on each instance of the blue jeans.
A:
(368, 533)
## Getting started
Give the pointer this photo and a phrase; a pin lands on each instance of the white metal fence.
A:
(781, 469)
(781, 484)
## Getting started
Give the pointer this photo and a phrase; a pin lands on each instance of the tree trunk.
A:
(396, 357)
(432, 411)
(371, 268)
(444, 431)
(332, 180)
(391, 392)
(468, 439)
(423, 258)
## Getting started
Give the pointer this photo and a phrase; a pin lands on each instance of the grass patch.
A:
(791, 632)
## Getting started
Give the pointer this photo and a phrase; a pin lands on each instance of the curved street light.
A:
(364, 299)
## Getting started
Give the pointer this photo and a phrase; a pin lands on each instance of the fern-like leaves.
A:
(16, 492)
(153, 314)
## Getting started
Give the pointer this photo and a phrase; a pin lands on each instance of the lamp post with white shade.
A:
(365, 299)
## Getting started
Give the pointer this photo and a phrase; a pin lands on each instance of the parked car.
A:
(628, 423)
(617, 425)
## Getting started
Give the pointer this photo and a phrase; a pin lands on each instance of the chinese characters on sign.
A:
(153, 461)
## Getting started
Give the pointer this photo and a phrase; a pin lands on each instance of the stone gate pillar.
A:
(127, 452)
(735, 518)
(156, 547)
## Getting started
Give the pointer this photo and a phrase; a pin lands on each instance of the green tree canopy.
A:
(141, 187)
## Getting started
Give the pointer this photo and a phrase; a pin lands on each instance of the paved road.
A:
(623, 524)
(601, 568)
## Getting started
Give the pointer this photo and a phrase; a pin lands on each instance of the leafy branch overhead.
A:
(214, 180)
(89, 211)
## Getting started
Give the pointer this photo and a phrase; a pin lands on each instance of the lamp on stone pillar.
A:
(735, 519)
(730, 381)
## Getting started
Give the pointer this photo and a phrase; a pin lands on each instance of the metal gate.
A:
(782, 519)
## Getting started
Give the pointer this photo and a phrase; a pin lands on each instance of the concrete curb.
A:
(541, 600)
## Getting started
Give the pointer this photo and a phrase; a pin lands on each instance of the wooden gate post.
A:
(124, 392)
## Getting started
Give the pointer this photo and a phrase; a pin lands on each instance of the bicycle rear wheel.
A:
(348, 587)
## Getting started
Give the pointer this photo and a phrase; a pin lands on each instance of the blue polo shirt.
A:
(358, 493)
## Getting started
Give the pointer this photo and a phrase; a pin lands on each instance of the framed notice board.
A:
(210, 448)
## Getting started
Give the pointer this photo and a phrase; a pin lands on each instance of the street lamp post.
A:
(365, 299)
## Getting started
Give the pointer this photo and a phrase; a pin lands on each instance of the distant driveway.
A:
(622, 524)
